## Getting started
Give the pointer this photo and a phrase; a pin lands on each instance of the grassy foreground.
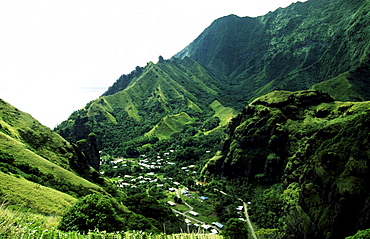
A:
(28, 225)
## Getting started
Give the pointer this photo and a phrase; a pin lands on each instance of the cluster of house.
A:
(206, 227)
(149, 178)
(148, 163)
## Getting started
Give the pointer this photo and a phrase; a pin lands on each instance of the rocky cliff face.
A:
(316, 147)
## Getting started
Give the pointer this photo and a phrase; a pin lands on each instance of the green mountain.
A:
(297, 151)
(42, 176)
(316, 44)
(291, 48)
(152, 103)
(38, 168)
(315, 149)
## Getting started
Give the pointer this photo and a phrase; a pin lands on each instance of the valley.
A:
(184, 193)
(270, 113)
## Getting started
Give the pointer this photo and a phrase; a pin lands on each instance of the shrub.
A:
(235, 229)
(92, 212)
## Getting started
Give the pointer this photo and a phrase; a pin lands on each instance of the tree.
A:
(90, 213)
(235, 229)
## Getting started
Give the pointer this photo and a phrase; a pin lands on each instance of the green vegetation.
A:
(92, 212)
(236, 229)
(19, 191)
(170, 125)
(39, 170)
(300, 159)
(291, 49)
(17, 223)
(361, 234)
(288, 147)
(166, 98)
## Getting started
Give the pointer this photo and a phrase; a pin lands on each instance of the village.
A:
(181, 192)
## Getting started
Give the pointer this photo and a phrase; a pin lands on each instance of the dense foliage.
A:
(303, 159)
(92, 212)
(236, 229)
(97, 212)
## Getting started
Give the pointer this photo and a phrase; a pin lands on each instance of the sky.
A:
(58, 55)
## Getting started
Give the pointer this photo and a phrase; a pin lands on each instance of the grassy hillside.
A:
(39, 169)
(158, 101)
(169, 125)
(32, 196)
(349, 86)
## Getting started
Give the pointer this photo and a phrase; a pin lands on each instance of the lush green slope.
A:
(352, 85)
(316, 148)
(31, 155)
(161, 99)
(292, 48)
(41, 174)
(317, 43)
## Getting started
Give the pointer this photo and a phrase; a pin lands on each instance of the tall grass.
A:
(18, 224)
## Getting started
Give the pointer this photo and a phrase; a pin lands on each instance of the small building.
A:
(239, 208)
(195, 214)
(184, 191)
(217, 224)
(171, 203)
(203, 198)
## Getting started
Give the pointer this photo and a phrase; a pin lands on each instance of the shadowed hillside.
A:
(291, 48)
(315, 148)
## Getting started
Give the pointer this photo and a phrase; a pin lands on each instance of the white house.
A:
(171, 203)
(195, 214)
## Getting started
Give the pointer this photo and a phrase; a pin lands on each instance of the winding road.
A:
(245, 206)
(248, 220)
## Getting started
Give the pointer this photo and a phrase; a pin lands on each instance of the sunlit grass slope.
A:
(20, 224)
(165, 86)
(19, 191)
(169, 125)
(155, 99)
(22, 154)
(225, 114)
(23, 128)
(31, 155)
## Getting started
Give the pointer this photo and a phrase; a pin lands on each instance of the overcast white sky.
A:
(57, 55)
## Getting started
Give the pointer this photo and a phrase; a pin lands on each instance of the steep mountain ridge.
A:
(169, 88)
(316, 148)
(316, 44)
(291, 48)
